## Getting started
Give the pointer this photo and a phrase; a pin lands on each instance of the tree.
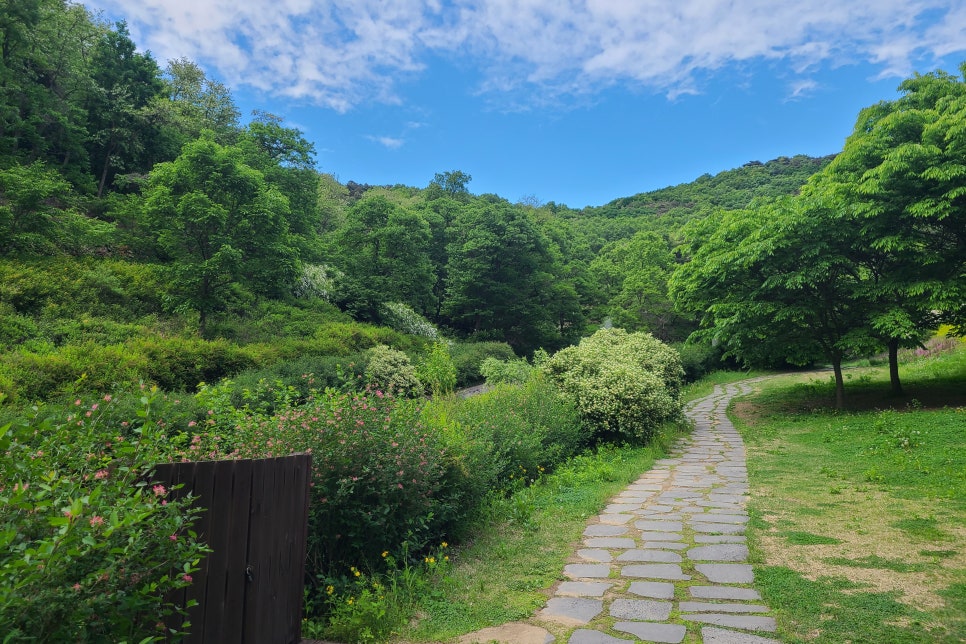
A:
(633, 274)
(900, 185)
(498, 274)
(125, 84)
(222, 226)
(383, 251)
(775, 283)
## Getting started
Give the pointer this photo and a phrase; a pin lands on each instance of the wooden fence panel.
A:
(255, 518)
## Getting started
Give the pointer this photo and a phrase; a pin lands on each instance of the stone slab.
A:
(509, 634)
(604, 530)
(660, 536)
(595, 637)
(726, 573)
(717, 528)
(720, 538)
(583, 588)
(713, 517)
(587, 571)
(617, 508)
(597, 555)
(719, 552)
(659, 526)
(724, 592)
(710, 607)
(669, 545)
(747, 622)
(640, 609)
(653, 589)
(663, 556)
(573, 611)
(609, 542)
(655, 571)
(712, 635)
(651, 632)
(615, 519)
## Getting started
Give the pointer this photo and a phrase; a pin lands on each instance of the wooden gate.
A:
(249, 588)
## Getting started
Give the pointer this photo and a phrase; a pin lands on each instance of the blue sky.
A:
(573, 101)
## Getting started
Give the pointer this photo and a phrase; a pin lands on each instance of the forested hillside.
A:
(143, 220)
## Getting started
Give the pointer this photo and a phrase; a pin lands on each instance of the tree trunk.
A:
(894, 367)
(839, 383)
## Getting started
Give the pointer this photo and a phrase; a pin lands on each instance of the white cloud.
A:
(340, 53)
(391, 142)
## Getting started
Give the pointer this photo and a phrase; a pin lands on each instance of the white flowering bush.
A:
(317, 280)
(391, 370)
(404, 319)
(624, 384)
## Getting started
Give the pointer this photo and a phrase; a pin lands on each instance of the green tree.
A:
(498, 275)
(900, 186)
(773, 284)
(383, 251)
(222, 225)
(125, 83)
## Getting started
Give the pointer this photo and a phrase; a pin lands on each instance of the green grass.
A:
(522, 546)
(858, 514)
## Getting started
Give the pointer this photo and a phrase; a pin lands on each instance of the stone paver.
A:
(672, 543)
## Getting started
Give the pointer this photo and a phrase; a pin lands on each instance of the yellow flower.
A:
(356, 573)
(446, 558)
(385, 553)
(329, 590)
(444, 544)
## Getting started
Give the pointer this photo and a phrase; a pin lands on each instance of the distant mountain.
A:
(730, 189)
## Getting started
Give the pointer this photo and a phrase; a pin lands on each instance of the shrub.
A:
(505, 371)
(625, 385)
(404, 319)
(391, 370)
(87, 549)
(376, 474)
(468, 356)
(504, 437)
(436, 370)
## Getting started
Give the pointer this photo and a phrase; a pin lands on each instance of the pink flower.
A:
(187, 578)
(173, 537)
(94, 407)
(107, 398)
(159, 490)
(101, 474)
(77, 402)
(97, 520)
(192, 423)
(76, 586)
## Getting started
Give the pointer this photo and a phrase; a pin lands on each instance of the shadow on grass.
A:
(848, 614)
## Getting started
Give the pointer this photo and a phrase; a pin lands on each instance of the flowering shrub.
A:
(376, 473)
(625, 385)
(87, 548)
(391, 370)
(317, 280)
(505, 371)
(404, 319)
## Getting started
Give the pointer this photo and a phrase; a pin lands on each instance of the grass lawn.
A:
(859, 517)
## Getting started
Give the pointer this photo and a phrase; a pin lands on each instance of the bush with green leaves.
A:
(468, 356)
(88, 547)
(624, 384)
(377, 472)
(497, 372)
(391, 370)
(435, 369)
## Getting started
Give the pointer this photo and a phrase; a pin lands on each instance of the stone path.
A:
(666, 561)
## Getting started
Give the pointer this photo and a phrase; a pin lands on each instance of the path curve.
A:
(672, 543)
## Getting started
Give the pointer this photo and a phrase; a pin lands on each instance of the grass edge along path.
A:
(506, 572)
(859, 518)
